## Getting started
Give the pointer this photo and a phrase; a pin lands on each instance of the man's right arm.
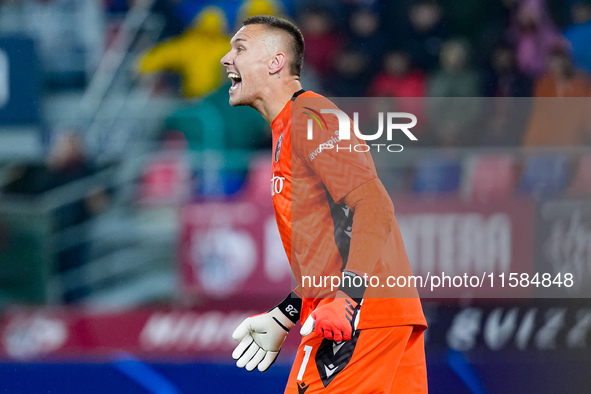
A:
(261, 336)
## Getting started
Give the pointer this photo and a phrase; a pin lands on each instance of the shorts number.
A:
(307, 352)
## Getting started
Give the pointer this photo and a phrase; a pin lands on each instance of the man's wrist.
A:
(291, 307)
(353, 285)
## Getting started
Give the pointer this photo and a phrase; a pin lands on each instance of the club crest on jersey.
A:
(278, 148)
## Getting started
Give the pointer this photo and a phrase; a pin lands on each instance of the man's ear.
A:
(277, 63)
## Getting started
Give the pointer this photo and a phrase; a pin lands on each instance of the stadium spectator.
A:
(322, 41)
(65, 163)
(423, 33)
(481, 22)
(173, 26)
(579, 36)
(504, 79)
(562, 122)
(534, 34)
(562, 79)
(350, 76)
(455, 77)
(194, 54)
(506, 109)
(258, 7)
(366, 35)
(451, 120)
(399, 78)
(210, 125)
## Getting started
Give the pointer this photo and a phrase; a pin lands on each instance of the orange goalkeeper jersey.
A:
(309, 180)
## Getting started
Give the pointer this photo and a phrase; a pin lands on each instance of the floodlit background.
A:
(136, 226)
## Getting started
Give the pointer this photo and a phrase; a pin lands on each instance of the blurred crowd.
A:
(354, 48)
(410, 48)
(476, 73)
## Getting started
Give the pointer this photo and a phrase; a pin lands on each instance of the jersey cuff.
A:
(291, 307)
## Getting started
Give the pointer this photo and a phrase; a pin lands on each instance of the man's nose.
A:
(226, 59)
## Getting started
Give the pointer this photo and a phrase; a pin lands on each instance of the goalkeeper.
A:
(335, 218)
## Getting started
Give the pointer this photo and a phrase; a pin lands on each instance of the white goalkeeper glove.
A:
(261, 336)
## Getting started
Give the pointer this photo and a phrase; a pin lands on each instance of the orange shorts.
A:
(377, 360)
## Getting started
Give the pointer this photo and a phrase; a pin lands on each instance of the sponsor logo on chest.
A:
(277, 183)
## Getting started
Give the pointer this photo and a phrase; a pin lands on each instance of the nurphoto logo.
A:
(344, 132)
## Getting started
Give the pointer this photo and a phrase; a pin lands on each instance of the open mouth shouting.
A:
(236, 80)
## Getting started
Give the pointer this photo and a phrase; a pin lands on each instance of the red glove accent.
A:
(336, 320)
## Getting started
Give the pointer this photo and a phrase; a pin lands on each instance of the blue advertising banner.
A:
(20, 81)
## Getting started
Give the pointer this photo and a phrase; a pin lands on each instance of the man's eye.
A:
(240, 49)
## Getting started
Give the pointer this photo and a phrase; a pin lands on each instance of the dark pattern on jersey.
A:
(302, 387)
(342, 218)
(332, 357)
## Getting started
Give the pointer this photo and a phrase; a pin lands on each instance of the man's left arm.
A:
(372, 224)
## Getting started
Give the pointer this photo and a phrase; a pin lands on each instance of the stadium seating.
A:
(436, 175)
(545, 175)
(581, 184)
(488, 177)
(166, 180)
